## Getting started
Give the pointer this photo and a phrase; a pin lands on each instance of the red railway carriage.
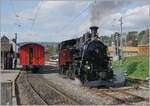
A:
(32, 55)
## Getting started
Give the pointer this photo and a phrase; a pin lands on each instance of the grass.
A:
(136, 66)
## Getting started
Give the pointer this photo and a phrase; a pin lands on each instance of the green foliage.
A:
(136, 66)
(143, 37)
(106, 40)
(132, 38)
(52, 50)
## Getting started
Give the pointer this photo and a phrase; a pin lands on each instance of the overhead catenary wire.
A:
(36, 15)
(73, 20)
(18, 17)
(15, 14)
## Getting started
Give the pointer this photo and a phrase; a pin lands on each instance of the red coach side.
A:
(65, 57)
(32, 54)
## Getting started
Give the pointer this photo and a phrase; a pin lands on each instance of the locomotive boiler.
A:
(85, 58)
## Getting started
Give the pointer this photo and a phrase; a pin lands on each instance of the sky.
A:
(55, 21)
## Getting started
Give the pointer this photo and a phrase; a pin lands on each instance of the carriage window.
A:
(30, 55)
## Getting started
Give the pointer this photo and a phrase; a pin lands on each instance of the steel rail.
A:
(136, 96)
(106, 92)
(65, 97)
(44, 101)
(120, 101)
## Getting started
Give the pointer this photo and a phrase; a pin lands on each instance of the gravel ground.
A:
(25, 93)
(140, 92)
(50, 96)
(72, 88)
(83, 94)
(129, 99)
(78, 92)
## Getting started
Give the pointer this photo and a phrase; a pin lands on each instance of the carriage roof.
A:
(66, 43)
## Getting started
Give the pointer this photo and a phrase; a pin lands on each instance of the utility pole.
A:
(15, 62)
(117, 45)
(121, 44)
(15, 43)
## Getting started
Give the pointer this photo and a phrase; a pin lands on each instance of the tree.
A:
(131, 38)
(52, 50)
(143, 37)
(106, 40)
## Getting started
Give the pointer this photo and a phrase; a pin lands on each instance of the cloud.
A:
(103, 8)
(136, 18)
(143, 10)
(52, 16)
(106, 13)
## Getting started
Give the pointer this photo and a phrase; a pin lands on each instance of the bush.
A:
(136, 66)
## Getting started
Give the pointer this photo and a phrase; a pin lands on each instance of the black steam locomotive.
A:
(85, 58)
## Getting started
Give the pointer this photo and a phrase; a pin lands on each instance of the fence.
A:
(131, 51)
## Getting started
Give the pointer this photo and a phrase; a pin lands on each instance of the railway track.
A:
(120, 96)
(42, 99)
(136, 82)
(26, 95)
(48, 93)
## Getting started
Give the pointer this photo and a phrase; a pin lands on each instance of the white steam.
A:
(105, 8)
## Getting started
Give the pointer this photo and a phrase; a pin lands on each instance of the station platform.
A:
(7, 79)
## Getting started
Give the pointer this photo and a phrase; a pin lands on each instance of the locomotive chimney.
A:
(94, 31)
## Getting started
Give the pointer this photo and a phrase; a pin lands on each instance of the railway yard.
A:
(70, 52)
(50, 88)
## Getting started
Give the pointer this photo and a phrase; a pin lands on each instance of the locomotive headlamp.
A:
(87, 67)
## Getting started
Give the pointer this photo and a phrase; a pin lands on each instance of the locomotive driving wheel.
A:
(83, 76)
(60, 70)
(70, 72)
(85, 79)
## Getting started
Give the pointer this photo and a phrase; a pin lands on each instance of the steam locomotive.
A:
(85, 58)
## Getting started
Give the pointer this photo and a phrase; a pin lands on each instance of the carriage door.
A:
(30, 55)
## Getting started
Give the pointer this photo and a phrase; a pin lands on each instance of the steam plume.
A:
(103, 8)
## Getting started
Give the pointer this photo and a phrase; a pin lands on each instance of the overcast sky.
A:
(55, 21)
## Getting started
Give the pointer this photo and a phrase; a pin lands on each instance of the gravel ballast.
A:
(73, 89)
(26, 95)
(82, 94)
